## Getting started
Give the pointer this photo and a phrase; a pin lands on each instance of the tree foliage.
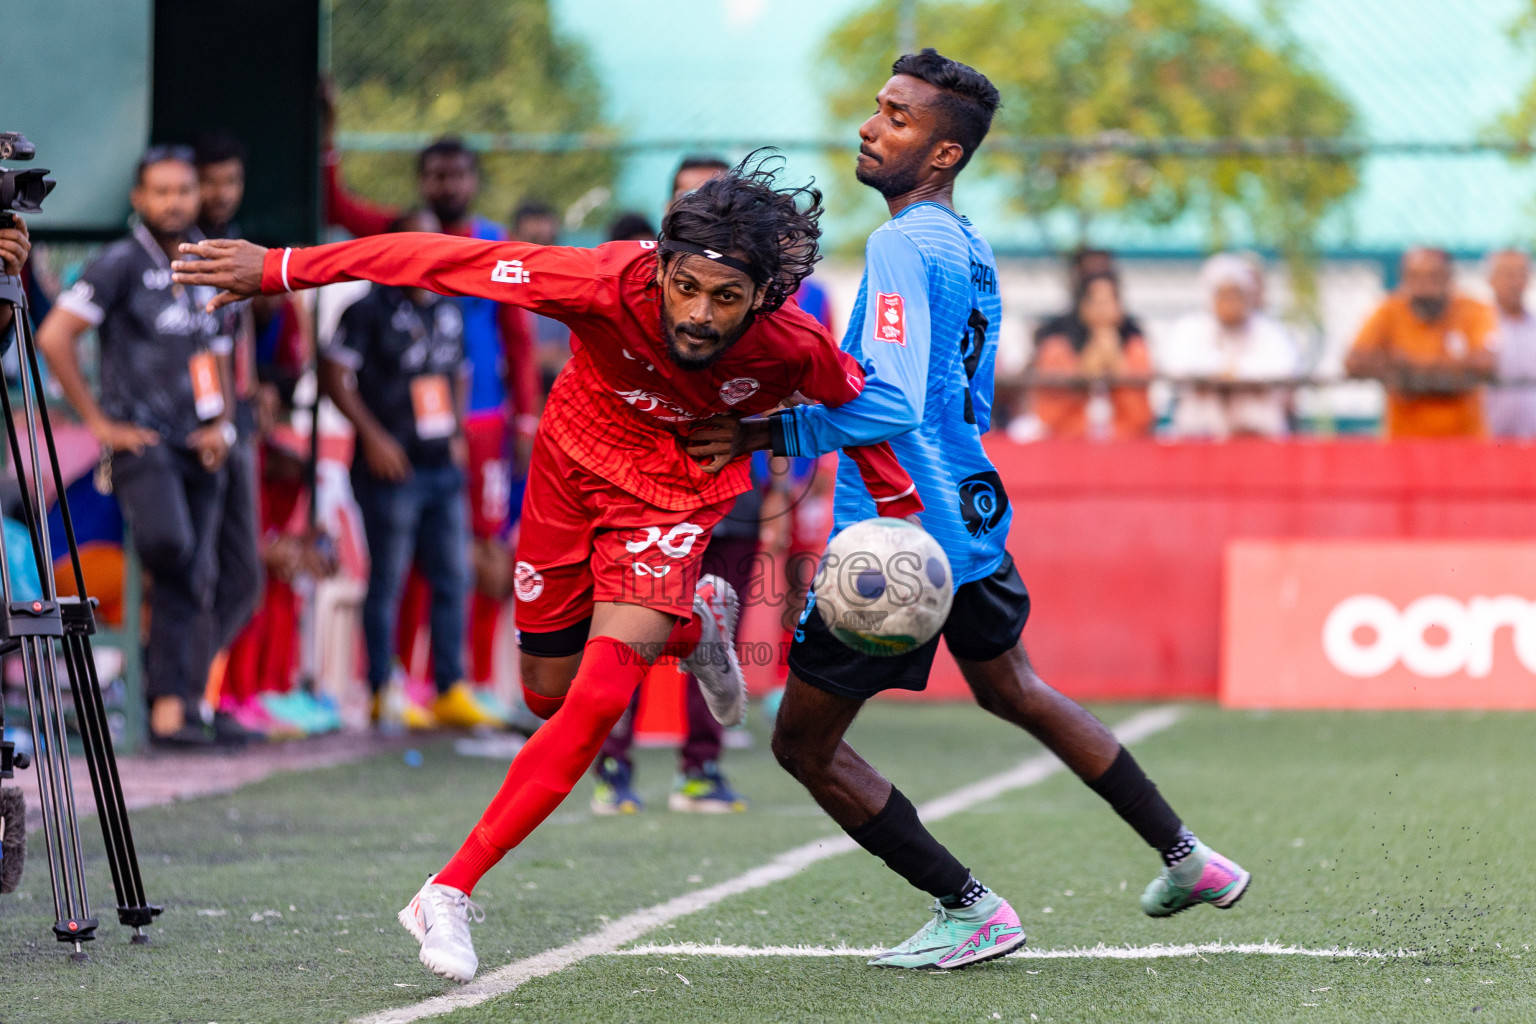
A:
(1147, 69)
(462, 66)
(1519, 123)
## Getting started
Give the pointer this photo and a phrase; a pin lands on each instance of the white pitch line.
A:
(611, 936)
(1099, 952)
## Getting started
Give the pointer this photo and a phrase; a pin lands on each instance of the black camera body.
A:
(21, 191)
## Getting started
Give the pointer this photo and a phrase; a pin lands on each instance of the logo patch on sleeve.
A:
(891, 318)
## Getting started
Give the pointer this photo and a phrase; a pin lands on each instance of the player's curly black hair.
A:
(746, 214)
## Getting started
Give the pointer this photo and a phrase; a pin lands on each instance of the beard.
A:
(1428, 307)
(890, 180)
(688, 360)
(173, 225)
(450, 210)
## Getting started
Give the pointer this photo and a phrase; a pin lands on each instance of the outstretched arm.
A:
(554, 280)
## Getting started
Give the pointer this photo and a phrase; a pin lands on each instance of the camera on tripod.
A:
(51, 635)
(21, 191)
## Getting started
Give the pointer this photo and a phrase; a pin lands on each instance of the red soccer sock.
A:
(683, 639)
(484, 614)
(550, 763)
(544, 707)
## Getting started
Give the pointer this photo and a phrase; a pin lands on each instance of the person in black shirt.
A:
(395, 368)
(164, 416)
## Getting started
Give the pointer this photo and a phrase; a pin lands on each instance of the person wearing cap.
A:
(163, 419)
(1231, 363)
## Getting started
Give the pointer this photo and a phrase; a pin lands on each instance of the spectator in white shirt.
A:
(1512, 410)
(1230, 356)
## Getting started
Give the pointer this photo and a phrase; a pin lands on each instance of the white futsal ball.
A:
(884, 587)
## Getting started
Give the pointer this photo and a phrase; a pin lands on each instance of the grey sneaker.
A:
(713, 662)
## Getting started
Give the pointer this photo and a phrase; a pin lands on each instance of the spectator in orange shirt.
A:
(1098, 345)
(1429, 346)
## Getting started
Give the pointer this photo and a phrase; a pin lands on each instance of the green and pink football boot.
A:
(1205, 876)
(959, 937)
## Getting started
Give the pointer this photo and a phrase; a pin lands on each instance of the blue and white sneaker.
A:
(615, 793)
(705, 791)
(986, 930)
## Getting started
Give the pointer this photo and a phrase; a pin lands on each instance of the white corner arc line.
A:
(630, 927)
(1099, 952)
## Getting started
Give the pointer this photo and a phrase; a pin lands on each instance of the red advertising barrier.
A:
(1380, 624)
(1122, 544)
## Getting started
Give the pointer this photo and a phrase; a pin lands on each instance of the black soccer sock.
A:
(971, 892)
(1136, 799)
(898, 838)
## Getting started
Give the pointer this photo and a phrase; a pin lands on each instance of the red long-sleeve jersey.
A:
(621, 405)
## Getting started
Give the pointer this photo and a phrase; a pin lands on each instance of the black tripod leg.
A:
(76, 925)
(42, 763)
(90, 739)
(133, 910)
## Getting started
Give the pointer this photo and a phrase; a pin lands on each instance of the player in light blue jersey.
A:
(924, 329)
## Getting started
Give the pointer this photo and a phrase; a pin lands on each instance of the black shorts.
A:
(985, 622)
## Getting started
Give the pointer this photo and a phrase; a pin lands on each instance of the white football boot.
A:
(438, 918)
(713, 662)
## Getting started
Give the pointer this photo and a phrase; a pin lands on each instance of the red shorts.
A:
(490, 473)
(585, 540)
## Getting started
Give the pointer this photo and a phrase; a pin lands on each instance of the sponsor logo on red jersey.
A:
(656, 405)
(527, 582)
(738, 389)
(891, 318)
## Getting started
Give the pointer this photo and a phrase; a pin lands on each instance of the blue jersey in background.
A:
(482, 337)
(925, 330)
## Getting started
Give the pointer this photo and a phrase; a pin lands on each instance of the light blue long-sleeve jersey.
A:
(925, 330)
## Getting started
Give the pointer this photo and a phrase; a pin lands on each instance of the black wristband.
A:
(777, 441)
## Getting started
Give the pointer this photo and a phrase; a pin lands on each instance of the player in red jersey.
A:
(668, 335)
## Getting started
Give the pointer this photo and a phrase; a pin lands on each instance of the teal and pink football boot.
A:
(959, 937)
(1205, 876)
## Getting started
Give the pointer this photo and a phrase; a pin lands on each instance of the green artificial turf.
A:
(1376, 831)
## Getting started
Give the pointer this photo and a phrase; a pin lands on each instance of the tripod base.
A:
(139, 938)
(76, 930)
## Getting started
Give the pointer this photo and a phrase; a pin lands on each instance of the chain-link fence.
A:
(1372, 125)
